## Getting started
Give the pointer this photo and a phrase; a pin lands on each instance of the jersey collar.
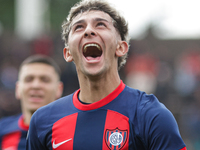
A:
(22, 125)
(101, 102)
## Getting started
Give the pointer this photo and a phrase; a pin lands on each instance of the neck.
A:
(94, 90)
(26, 117)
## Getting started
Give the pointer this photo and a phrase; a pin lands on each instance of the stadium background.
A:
(168, 68)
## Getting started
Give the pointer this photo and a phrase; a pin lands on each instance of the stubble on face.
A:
(107, 37)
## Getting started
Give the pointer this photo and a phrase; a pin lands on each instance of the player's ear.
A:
(67, 54)
(122, 48)
(59, 90)
(17, 91)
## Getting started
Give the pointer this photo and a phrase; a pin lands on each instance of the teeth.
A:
(36, 96)
(88, 45)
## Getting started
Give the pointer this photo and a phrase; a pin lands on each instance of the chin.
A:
(35, 108)
(32, 111)
(96, 71)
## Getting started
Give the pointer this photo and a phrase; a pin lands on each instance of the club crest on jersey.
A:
(115, 139)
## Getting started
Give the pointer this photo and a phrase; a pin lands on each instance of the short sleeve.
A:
(159, 128)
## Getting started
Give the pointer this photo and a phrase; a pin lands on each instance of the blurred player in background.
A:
(38, 84)
(104, 114)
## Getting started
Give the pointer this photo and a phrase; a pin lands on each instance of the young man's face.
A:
(93, 42)
(37, 86)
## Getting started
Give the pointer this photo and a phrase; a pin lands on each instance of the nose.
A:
(89, 31)
(36, 83)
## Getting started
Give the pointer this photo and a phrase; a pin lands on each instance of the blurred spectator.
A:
(164, 81)
(38, 84)
(43, 45)
(8, 104)
(141, 71)
(187, 73)
(187, 84)
(8, 75)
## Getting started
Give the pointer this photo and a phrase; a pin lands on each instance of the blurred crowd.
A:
(172, 75)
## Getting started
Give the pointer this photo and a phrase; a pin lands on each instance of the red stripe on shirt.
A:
(116, 122)
(11, 140)
(63, 132)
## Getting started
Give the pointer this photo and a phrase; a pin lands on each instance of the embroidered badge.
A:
(115, 139)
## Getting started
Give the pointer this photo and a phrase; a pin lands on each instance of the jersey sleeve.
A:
(33, 140)
(159, 127)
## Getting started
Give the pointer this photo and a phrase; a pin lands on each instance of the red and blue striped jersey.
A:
(127, 119)
(13, 133)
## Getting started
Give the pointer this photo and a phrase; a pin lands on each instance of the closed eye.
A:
(78, 27)
(45, 79)
(101, 24)
(28, 79)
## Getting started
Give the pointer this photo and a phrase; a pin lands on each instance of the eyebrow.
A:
(101, 19)
(83, 20)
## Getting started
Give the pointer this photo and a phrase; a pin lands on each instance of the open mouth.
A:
(92, 51)
(36, 98)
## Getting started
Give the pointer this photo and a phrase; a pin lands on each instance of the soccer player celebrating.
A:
(104, 114)
(38, 84)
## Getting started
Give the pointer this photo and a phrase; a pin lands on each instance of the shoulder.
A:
(9, 124)
(10, 119)
(156, 124)
(57, 104)
(146, 106)
(53, 111)
(140, 98)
